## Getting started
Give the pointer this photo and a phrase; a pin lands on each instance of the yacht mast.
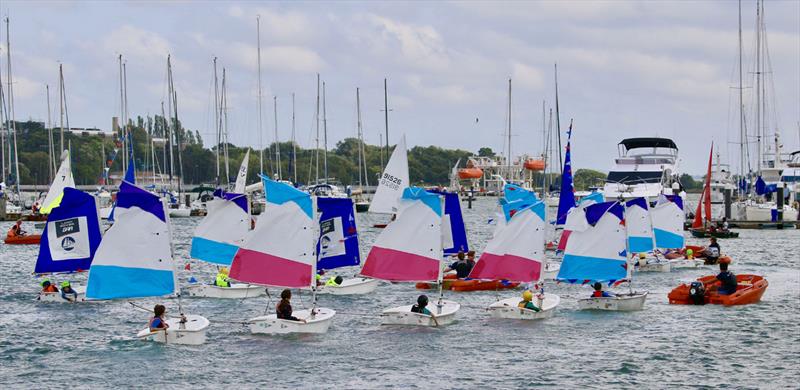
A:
(508, 141)
(386, 115)
(277, 140)
(325, 132)
(260, 129)
(223, 128)
(742, 134)
(51, 165)
(316, 150)
(294, 145)
(10, 113)
(216, 118)
(558, 123)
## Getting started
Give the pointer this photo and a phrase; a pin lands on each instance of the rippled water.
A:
(90, 345)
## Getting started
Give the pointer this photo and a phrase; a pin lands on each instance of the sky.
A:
(625, 69)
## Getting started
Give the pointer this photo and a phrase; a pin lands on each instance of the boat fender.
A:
(697, 292)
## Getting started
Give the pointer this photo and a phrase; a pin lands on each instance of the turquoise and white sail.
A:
(135, 257)
(640, 230)
(668, 218)
(220, 234)
(595, 251)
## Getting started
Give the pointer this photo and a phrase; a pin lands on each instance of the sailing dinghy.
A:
(135, 260)
(410, 250)
(338, 246)
(641, 239)
(280, 253)
(668, 217)
(516, 253)
(216, 240)
(597, 252)
(70, 240)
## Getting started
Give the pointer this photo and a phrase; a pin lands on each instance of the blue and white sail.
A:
(220, 234)
(566, 198)
(454, 233)
(338, 234)
(639, 227)
(71, 234)
(135, 257)
(595, 251)
(668, 218)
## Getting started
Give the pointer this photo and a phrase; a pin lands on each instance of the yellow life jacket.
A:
(222, 280)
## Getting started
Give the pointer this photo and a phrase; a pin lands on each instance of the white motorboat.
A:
(646, 167)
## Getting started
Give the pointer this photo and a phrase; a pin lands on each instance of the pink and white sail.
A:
(516, 252)
(280, 250)
(410, 248)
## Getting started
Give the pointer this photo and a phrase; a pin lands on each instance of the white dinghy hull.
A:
(402, 315)
(354, 286)
(686, 263)
(182, 212)
(235, 291)
(659, 266)
(621, 302)
(270, 324)
(55, 297)
(193, 332)
(508, 308)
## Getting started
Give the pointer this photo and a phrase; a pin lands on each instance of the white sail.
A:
(242, 175)
(62, 180)
(392, 183)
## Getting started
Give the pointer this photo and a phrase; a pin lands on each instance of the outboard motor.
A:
(697, 293)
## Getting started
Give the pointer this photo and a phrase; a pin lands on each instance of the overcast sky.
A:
(626, 69)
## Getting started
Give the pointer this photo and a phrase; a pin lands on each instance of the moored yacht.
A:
(646, 167)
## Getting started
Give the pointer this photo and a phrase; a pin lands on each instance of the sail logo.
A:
(67, 226)
(68, 243)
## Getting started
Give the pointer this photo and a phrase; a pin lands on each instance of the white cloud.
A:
(420, 46)
(147, 47)
(280, 58)
(526, 75)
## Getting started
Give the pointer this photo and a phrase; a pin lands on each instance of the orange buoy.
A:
(533, 164)
(470, 173)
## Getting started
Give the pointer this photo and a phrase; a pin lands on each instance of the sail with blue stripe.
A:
(220, 234)
(639, 228)
(135, 257)
(71, 235)
(453, 230)
(668, 217)
(338, 234)
(596, 249)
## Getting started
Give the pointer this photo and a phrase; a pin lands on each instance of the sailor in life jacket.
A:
(48, 287)
(16, 230)
(222, 278)
(67, 292)
(157, 322)
(599, 293)
(334, 282)
(420, 306)
(526, 302)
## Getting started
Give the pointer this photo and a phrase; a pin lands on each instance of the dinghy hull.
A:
(622, 302)
(354, 286)
(749, 290)
(508, 308)
(686, 263)
(270, 324)
(402, 315)
(193, 332)
(55, 297)
(235, 291)
(30, 239)
(658, 266)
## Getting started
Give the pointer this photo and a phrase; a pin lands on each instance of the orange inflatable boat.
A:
(451, 282)
(750, 288)
(29, 239)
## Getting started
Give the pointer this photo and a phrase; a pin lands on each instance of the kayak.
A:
(451, 282)
(30, 239)
(749, 290)
(702, 233)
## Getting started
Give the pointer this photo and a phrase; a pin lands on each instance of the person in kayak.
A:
(222, 278)
(461, 266)
(157, 322)
(471, 258)
(599, 293)
(713, 252)
(67, 292)
(527, 301)
(16, 230)
(284, 307)
(727, 280)
(48, 287)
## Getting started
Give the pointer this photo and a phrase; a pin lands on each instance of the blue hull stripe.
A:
(110, 282)
(213, 251)
(640, 244)
(669, 240)
(580, 268)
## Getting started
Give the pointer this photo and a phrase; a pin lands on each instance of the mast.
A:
(758, 85)
(216, 117)
(51, 165)
(508, 158)
(10, 113)
(544, 152)
(177, 124)
(558, 122)
(628, 266)
(742, 134)
(386, 115)
(223, 128)
(316, 150)
(4, 118)
(277, 140)
(121, 117)
(360, 140)
(294, 145)
(325, 133)
(260, 130)
(128, 136)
